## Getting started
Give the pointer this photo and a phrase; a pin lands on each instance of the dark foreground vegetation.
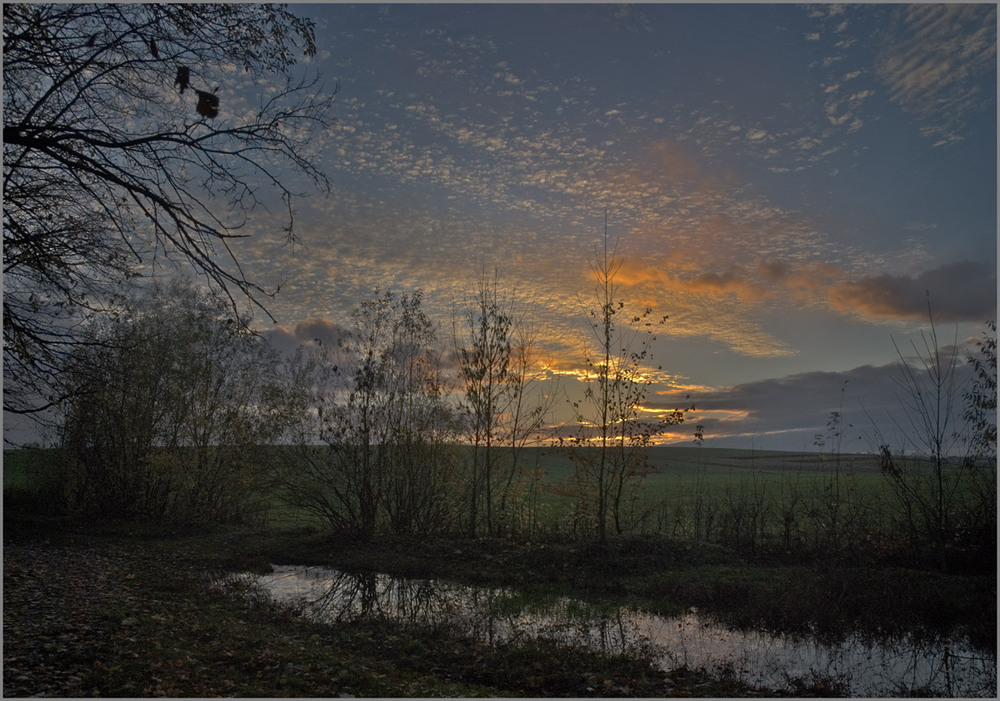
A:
(117, 608)
(111, 611)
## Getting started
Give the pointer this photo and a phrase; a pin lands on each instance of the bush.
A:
(172, 405)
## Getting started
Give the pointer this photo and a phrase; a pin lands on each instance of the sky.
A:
(789, 184)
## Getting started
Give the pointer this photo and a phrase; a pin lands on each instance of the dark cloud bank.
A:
(962, 291)
(311, 332)
(787, 413)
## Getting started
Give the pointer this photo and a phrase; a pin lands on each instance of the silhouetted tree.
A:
(389, 461)
(172, 408)
(497, 369)
(484, 355)
(981, 398)
(932, 475)
(611, 412)
(126, 143)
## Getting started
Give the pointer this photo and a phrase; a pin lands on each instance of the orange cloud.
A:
(565, 364)
(807, 283)
(669, 163)
(733, 281)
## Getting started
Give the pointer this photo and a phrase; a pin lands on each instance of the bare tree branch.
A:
(111, 168)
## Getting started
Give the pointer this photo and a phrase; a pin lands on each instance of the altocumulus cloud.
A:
(941, 54)
(962, 291)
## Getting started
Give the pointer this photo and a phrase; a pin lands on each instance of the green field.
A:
(674, 468)
(675, 473)
(752, 501)
(23, 467)
(30, 469)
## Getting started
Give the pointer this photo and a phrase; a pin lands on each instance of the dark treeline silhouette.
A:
(178, 414)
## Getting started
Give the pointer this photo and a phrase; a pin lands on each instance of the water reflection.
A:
(501, 616)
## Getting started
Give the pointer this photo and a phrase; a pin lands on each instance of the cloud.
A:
(311, 332)
(939, 65)
(674, 163)
(701, 303)
(730, 282)
(281, 339)
(733, 281)
(767, 279)
(962, 291)
(433, 182)
(807, 276)
(320, 331)
(787, 413)
(806, 283)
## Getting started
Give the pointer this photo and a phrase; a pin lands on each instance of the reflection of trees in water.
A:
(921, 667)
(487, 614)
(857, 663)
(862, 665)
(342, 596)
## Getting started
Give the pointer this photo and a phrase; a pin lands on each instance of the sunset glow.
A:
(790, 185)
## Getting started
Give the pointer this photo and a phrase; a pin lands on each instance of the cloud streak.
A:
(935, 61)
(959, 291)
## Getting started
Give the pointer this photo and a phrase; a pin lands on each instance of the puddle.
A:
(500, 616)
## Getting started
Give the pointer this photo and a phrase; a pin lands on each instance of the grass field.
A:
(749, 500)
(30, 469)
(682, 479)
(675, 473)
(20, 464)
(674, 470)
